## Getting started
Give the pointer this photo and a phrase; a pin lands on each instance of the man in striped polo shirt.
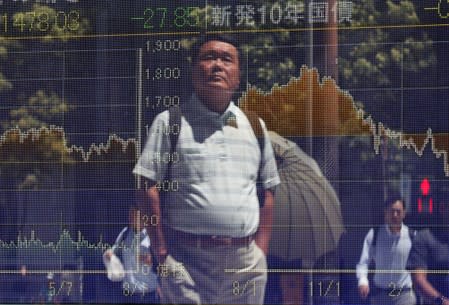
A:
(213, 234)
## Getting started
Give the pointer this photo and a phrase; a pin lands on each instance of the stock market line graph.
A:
(361, 87)
(51, 256)
(291, 101)
(293, 98)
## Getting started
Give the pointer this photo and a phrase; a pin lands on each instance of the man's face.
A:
(216, 69)
(395, 214)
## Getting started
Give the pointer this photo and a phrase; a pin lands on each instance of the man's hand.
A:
(146, 259)
(266, 220)
(364, 291)
(263, 244)
(108, 254)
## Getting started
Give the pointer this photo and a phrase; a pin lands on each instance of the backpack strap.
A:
(116, 247)
(174, 119)
(411, 233)
(376, 234)
(253, 119)
(256, 125)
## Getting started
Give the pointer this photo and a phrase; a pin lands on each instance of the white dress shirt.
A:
(390, 254)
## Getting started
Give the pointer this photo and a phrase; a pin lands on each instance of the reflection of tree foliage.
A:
(288, 110)
(270, 61)
(5, 46)
(378, 56)
(382, 58)
(27, 161)
(40, 110)
(30, 159)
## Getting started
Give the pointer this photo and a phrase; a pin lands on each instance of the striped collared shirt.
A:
(216, 174)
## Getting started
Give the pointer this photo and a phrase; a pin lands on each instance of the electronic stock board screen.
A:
(354, 94)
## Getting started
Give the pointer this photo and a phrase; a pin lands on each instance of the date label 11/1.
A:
(324, 288)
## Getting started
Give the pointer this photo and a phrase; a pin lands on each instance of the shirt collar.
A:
(230, 109)
(387, 227)
(200, 110)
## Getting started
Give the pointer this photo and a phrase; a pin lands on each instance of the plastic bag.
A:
(114, 267)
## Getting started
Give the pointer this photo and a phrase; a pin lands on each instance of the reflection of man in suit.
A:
(429, 259)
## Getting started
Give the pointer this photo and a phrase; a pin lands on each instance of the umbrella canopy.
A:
(307, 216)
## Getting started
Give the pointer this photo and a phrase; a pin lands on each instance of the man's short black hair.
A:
(204, 38)
(392, 199)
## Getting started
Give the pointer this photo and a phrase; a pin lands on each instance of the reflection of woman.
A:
(140, 284)
(284, 288)
(429, 260)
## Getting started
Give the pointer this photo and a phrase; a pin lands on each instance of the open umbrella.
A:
(307, 220)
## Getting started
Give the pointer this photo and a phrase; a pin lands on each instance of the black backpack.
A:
(175, 120)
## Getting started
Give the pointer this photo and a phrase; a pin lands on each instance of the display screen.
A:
(354, 95)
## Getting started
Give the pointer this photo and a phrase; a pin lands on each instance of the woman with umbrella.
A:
(307, 222)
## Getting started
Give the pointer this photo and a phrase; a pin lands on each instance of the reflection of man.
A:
(429, 259)
(213, 221)
(389, 248)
